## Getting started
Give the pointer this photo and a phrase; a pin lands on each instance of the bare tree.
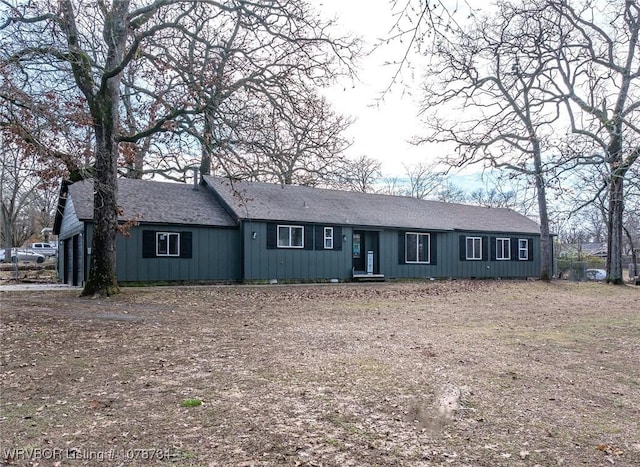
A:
(492, 197)
(83, 50)
(360, 174)
(246, 68)
(392, 186)
(21, 200)
(597, 73)
(632, 217)
(298, 142)
(423, 180)
(449, 192)
(494, 71)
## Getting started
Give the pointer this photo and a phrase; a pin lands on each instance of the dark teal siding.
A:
(71, 230)
(263, 262)
(70, 224)
(449, 262)
(220, 254)
(215, 256)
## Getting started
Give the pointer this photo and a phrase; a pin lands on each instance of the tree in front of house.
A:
(595, 63)
(296, 142)
(81, 53)
(491, 72)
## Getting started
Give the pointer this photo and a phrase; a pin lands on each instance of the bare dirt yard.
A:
(460, 373)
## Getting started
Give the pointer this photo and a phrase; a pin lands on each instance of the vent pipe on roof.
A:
(195, 178)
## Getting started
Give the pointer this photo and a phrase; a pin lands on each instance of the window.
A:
(417, 247)
(474, 248)
(503, 249)
(523, 249)
(167, 244)
(328, 238)
(290, 236)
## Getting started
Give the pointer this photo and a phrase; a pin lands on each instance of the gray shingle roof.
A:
(271, 202)
(156, 202)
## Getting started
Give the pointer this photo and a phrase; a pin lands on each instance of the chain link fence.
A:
(575, 270)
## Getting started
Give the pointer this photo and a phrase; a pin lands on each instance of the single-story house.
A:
(228, 230)
(182, 233)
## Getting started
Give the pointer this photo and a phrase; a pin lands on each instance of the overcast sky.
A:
(383, 127)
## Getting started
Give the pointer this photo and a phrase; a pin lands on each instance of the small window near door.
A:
(328, 238)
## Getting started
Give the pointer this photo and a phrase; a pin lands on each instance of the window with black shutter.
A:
(291, 236)
(503, 249)
(417, 247)
(163, 244)
(523, 249)
(327, 237)
(474, 248)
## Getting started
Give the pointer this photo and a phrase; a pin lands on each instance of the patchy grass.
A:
(464, 373)
(191, 403)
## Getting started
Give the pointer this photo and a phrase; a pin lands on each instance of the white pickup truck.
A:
(46, 249)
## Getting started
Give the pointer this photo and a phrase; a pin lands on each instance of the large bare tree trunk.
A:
(207, 142)
(105, 109)
(615, 223)
(102, 268)
(546, 260)
(616, 205)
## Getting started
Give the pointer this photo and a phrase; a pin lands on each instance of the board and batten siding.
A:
(448, 262)
(263, 263)
(70, 224)
(215, 256)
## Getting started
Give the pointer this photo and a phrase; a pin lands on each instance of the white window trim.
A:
(525, 249)
(406, 249)
(329, 238)
(466, 245)
(167, 235)
(290, 227)
(500, 251)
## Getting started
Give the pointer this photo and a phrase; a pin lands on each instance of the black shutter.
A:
(319, 237)
(272, 236)
(530, 245)
(337, 238)
(493, 246)
(485, 248)
(148, 244)
(433, 249)
(186, 245)
(515, 253)
(401, 247)
(463, 248)
(308, 237)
